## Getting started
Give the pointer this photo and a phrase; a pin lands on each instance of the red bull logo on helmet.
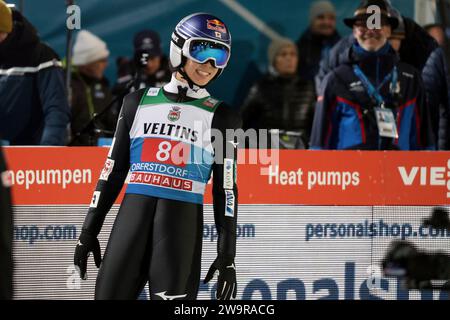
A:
(216, 25)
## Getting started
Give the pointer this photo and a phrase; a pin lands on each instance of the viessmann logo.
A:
(427, 176)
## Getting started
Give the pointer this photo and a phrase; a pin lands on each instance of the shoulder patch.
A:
(153, 92)
(210, 102)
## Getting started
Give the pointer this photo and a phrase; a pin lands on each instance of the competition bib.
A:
(171, 152)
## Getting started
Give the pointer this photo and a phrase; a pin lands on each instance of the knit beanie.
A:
(88, 48)
(276, 45)
(6, 21)
(320, 7)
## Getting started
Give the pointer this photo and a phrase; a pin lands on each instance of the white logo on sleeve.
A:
(232, 266)
(107, 169)
(229, 203)
(228, 173)
(95, 199)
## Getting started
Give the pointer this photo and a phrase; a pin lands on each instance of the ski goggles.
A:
(202, 50)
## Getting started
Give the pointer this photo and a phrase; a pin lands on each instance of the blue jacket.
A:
(344, 116)
(436, 79)
(33, 107)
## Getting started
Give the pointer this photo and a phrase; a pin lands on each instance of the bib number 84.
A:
(165, 151)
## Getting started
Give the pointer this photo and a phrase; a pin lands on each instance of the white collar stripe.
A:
(22, 70)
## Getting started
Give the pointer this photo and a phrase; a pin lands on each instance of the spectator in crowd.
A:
(281, 99)
(436, 79)
(437, 32)
(6, 232)
(372, 101)
(315, 43)
(398, 34)
(149, 67)
(437, 85)
(33, 107)
(415, 49)
(90, 90)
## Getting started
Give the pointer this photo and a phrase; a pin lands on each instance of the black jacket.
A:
(91, 96)
(436, 79)
(281, 103)
(311, 49)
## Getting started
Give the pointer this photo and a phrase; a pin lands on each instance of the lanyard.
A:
(371, 91)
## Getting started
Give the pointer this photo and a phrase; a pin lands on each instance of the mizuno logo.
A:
(79, 243)
(232, 266)
(164, 296)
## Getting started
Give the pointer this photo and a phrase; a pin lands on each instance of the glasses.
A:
(363, 24)
(201, 50)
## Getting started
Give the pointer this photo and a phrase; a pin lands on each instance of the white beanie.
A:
(320, 7)
(276, 45)
(88, 48)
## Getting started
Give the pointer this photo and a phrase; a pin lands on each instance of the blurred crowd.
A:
(382, 88)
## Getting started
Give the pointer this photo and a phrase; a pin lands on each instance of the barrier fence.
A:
(312, 224)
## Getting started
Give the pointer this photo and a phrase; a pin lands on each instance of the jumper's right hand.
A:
(87, 243)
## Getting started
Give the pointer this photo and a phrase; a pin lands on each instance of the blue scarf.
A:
(363, 53)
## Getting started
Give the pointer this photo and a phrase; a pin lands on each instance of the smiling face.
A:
(371, 39)
(200, 73)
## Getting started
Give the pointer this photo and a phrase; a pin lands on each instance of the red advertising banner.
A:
(45, 175)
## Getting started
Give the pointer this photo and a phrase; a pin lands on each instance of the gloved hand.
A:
(87, 243)
(226, 283)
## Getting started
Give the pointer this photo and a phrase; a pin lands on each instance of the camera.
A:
(416, 268)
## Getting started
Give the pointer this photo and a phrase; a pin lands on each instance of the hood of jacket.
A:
(20, 45)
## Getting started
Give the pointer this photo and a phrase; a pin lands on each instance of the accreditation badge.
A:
(386, 123)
